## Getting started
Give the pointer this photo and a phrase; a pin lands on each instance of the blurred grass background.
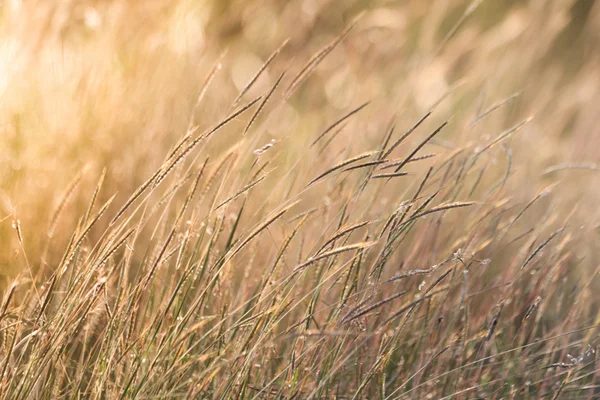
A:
(504, 227)
(87, 85)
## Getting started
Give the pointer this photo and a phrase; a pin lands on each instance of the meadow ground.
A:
(299, 199)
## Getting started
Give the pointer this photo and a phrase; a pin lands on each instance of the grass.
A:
(397, 202)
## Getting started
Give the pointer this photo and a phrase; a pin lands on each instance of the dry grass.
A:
(305, 199)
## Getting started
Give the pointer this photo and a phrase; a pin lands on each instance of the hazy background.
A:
(275, 255)
(87, 85)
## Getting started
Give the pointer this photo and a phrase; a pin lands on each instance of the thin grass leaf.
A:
(420, 146)
(540, 247)
(406, 134)
(375, 306)
(390, 175)
(312, 64)
(338, 122)
(503, 136)
(66, 197)
(333, 252)
(263, 103)
(259, 73)
(343, 164)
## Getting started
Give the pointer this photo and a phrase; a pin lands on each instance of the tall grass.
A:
(395, 203)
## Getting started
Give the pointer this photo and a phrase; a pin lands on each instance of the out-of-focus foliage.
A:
(75, 76)
(85, 82)
(93, 86)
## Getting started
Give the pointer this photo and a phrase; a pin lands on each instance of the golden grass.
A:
(305, 199)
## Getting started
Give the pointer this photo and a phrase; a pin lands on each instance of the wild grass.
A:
(396, 203)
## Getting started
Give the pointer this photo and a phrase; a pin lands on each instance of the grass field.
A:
(307, 199)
